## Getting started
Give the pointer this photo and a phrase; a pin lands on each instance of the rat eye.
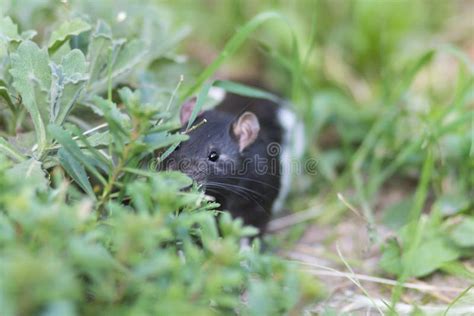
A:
(213, 156)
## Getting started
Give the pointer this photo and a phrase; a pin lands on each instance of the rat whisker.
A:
(240, 191)
(248, 190)
(218, 186)
(252, 180)
(242, 188)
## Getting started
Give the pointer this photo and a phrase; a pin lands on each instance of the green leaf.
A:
(74, 150)
(28, 35)
(390, 260)
(450, 204)
(8, 30)
(32, 79)
(430, 256)
(10, 150)
(129, 56)
(64, 33)
(117, 121)
(458, 269)
(163, 139)
(199, 103)
(395, 216)
(30, 170)
(122, 58)
(463, 233)
(244, 90)
(5, 94)
(99, 50)
(98, 139)
(110, 60)
(69, 79)
(76, 170)
(259, 301)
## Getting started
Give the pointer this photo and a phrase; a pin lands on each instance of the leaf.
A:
(457, 268)
(259, 302)
(130, 55)
(395, 216)
(163, 139)
(98, 139)
(244, 90)
(76, 171)
(8, 30)
(28, 35)
(463, 233)
(390, 260)
(109, 60)
(4, 94)
(23, 142)
(69, 79)
(117, 121)
(122, 58)
(10, 150)
(451, 204)
(199, 103)
(98, 52)
(64, 33)
(430, 256)
(73, 149)
(30, 170)
(32, 79)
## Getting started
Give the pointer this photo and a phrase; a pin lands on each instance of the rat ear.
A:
(186, 110)
(246, 129)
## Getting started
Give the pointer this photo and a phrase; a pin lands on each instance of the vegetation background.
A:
(385, 89)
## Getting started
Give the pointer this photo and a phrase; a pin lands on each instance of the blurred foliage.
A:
(385, 89)
(125, 239)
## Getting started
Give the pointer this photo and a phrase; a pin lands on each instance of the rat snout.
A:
(195, 169)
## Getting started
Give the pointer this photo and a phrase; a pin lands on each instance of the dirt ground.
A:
(344, 258)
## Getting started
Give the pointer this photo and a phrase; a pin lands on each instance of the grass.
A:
(378, 144)
(385, 93)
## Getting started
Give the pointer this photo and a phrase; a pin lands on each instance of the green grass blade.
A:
(245, 90)
(199, 103)
(414, 228)
(230, 48)
(463, 293)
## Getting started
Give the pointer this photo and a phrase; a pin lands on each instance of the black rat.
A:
(239, 154)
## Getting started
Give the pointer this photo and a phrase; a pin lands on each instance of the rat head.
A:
(215, 149)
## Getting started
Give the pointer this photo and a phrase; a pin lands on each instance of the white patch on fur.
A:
(217, 94)
(292, 147)
(299, 142)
